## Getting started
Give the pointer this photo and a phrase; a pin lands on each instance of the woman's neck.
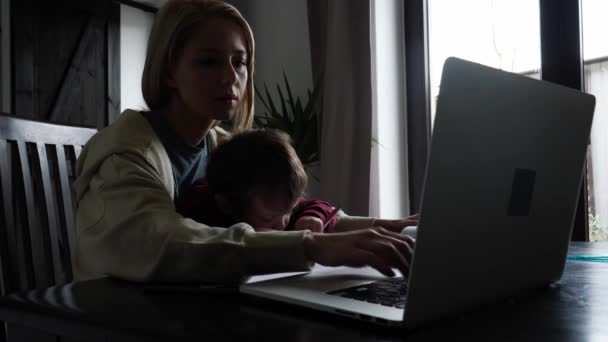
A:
(188, 126)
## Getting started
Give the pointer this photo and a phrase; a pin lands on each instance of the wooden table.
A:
(576, 309)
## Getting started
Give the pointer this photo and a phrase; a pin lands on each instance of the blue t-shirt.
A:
(188, 162)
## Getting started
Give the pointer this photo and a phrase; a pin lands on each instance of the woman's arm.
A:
(347, 223)
(398, 224)
(128, 228)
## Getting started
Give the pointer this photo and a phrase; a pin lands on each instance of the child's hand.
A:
(311, 223)
(397, 225)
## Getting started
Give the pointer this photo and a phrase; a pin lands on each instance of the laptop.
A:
(500, 193)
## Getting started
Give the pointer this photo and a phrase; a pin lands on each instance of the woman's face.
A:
(210, 75)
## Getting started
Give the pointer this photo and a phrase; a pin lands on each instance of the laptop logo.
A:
(521, 192)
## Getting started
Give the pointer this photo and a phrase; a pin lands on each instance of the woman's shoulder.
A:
(130, 134)
(130, 137)
(130, 131)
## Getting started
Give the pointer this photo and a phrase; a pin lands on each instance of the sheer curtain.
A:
(363, 145)
(596, 82)
(389, 188)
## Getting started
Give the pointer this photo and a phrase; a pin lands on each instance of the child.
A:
(256, 178)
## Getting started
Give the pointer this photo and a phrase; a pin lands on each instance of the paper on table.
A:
(255, 279)
(410, 231)
(316, 269)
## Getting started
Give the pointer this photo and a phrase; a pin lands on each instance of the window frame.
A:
(417, 95)
(561, 63)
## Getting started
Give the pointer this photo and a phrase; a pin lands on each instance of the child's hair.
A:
(256, 162)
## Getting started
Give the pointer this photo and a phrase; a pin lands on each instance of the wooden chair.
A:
(37, 215)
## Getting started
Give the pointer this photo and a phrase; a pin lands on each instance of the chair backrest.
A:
(37, 164)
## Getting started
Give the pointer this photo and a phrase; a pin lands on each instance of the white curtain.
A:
(347, 107)
(363, 141)
(389, 188)
(596, 79)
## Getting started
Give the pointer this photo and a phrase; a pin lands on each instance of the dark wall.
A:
(65, 58)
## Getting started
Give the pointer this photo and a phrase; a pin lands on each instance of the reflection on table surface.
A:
(574, 309)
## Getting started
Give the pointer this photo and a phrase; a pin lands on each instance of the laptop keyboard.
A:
(387, 292)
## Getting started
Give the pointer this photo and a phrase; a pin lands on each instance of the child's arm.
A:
(397, 225)
(314, 215)
(311, 215)
(347, 223)
(312, 223)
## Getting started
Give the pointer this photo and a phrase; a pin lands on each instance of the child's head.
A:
(257, 177)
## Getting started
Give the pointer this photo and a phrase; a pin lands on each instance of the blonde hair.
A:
(172, 28)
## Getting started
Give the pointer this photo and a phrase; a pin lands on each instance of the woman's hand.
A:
(376, 247)
(397, 225)
(312, 223)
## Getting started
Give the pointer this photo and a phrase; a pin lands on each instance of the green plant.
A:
(293, 116)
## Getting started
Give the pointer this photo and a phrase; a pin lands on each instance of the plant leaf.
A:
(283, 105)
(272, 107)
(295, 117)
(261, 97)
(312, 100)
(289, 94)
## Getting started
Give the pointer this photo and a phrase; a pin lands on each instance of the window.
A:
(388, 123)
(503, 34)
(531, 37)
(595, 54)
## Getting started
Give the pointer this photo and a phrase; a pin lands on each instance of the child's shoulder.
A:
(200, 184)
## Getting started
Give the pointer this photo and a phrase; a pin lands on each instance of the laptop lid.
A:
(501, 189)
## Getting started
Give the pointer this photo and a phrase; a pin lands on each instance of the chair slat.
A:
(50, 199)
(7, 238)
(15, 245)
(77, 150)
(35, 230)
(16, 128)
(66, 195)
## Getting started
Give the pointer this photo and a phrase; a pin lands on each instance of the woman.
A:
(198, 72)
